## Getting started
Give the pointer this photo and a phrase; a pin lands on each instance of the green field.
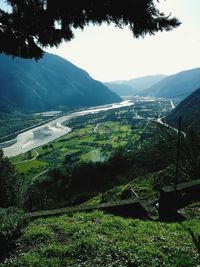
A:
(93, 138)
(82, 145)
(29, 165)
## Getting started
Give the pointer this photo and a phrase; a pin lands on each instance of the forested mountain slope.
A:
(189, 109)
(180, 83)
(52, 82)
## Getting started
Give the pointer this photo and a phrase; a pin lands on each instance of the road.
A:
(35, 177)
(96, 127)
(172, 104)
(159, 120)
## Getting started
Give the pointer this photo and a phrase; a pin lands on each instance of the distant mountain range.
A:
(189, 109)
(145, 82)
(134, 86)
(178, 84)
(121, 89)
(50, 83)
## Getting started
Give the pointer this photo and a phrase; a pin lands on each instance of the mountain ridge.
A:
(27, 85)
(134, 86)
(189, 110)
(179, 83)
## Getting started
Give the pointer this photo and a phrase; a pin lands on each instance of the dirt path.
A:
(26, 160)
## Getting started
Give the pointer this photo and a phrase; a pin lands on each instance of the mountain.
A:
(178, 84)
(189, 109)
(145, 82)
(121, 89)
(134, 86)
(52, 82)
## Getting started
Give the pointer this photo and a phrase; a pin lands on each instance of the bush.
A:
(9, 183)
(11, 222)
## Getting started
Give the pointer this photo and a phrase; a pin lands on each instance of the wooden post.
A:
(178, 153)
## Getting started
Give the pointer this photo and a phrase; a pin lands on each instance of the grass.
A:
(97, 239)
(141, 187)
(22, 157)
(29, 165)
(93, 156)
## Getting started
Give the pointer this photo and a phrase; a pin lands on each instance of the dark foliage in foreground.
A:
(11, 223)
(34, 24)
(9, 183)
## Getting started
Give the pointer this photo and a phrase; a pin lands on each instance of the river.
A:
(50, 131)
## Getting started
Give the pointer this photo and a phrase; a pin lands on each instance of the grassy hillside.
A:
(97, 239)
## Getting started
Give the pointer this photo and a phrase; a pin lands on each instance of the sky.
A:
(108, 53)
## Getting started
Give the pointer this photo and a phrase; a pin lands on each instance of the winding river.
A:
(50, 131)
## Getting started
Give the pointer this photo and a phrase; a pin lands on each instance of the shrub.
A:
(11, 222)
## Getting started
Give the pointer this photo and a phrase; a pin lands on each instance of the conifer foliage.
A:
(35, 24)
(9, 183)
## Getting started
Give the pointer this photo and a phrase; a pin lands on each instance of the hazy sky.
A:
(108, 53)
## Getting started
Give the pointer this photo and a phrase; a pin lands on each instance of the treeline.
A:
(11, 202)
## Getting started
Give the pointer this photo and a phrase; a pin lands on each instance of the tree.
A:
(9, 183)
(35, 24)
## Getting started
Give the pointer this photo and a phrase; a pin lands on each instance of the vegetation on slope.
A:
(189, 109)
(181, 83)
(96, 239)
(9, 183)
(11, 222)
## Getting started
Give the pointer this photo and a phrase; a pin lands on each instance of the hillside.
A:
(145, 82)
(134, 86)
(52, 82)
(97, 239)
(189, 109)
(180, 83)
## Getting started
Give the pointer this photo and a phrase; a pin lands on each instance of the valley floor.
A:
(112, 156)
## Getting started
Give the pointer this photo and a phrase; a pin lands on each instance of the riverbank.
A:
(50, 131)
